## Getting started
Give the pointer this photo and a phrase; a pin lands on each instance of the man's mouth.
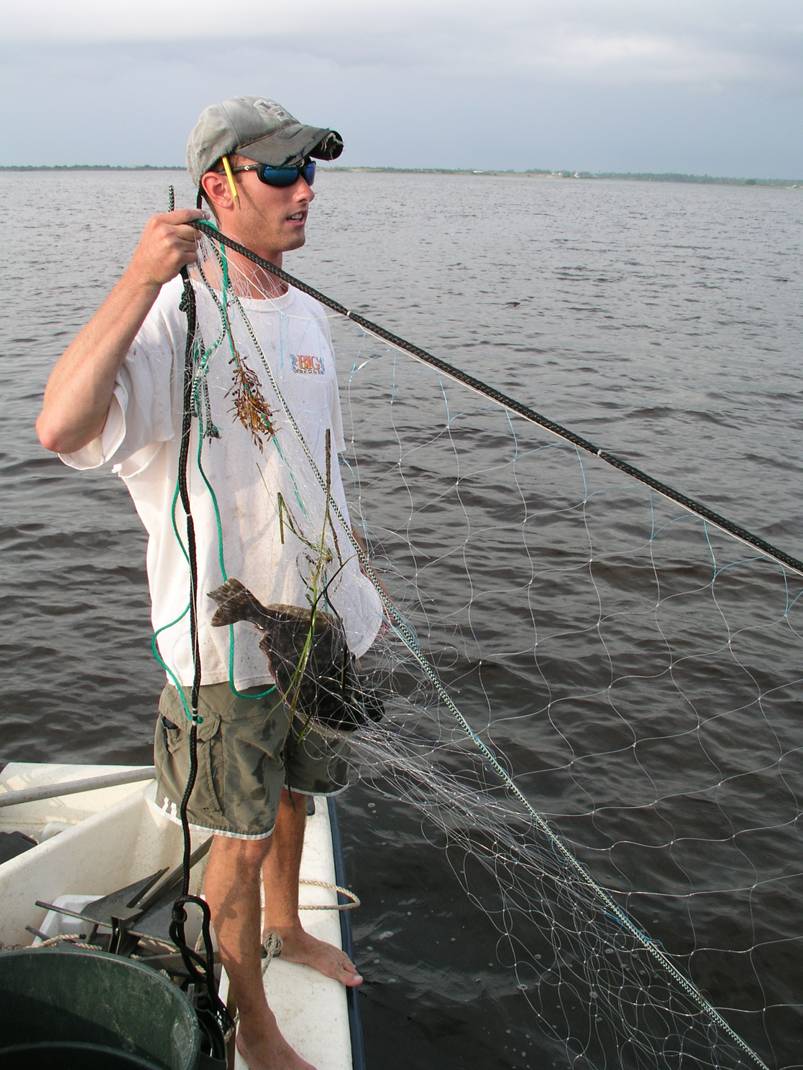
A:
(298, 217)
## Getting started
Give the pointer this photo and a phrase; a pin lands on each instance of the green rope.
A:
(203, 361)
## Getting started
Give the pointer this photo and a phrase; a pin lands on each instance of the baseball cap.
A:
(260, 129)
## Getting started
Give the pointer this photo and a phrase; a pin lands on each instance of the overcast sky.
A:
(708, 87)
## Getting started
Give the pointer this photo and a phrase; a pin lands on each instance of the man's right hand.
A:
(166, 246)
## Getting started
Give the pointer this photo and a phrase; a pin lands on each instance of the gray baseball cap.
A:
(257, 128)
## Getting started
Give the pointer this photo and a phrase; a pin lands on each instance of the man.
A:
(115, 397)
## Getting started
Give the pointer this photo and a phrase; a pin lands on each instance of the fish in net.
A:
(308, 657)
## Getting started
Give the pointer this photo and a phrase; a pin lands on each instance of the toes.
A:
(353, 976)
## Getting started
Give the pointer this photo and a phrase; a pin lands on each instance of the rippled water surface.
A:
(661, 321)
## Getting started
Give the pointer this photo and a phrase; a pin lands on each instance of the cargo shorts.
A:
(248, 749)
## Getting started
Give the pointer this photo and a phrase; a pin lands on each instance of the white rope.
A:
(353, 899)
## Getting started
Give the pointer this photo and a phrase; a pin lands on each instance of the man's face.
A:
(271, 220)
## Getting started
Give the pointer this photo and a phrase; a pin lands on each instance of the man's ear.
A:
(218, 192)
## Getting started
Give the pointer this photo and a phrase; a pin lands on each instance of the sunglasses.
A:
(280, 176)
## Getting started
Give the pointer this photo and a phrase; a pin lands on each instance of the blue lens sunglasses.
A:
(280, 176)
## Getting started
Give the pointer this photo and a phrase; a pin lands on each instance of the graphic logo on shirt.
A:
(307, 364)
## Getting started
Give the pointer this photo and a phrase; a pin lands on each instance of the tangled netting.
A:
(588, 694)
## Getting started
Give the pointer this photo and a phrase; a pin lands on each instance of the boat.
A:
(70, 834)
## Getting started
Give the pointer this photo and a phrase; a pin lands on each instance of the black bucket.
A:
(87, 1009)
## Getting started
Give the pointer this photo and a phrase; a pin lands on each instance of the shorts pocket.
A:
(172, 757)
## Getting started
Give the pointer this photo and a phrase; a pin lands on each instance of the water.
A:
(660, 321)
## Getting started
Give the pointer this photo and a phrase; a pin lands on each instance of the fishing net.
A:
(587, 693)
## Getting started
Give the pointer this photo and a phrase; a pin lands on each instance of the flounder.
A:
(324, 684)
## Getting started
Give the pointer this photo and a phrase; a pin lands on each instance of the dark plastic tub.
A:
(87, 1009)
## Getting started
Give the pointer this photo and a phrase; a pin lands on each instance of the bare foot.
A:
(265, 1048)
(300, 946)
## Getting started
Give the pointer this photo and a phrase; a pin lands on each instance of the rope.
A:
(66, 938)
(271, 948)
(512, 405)
(353, 898)
(211, 1012)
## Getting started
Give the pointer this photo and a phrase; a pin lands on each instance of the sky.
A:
(705, 87)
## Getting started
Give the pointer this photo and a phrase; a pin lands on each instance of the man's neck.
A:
(252, 281)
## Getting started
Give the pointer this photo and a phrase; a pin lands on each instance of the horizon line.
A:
(489, 171)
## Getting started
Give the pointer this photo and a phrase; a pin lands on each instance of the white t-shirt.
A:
(259, 514)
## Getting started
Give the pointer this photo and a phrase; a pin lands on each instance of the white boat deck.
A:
(104, 839)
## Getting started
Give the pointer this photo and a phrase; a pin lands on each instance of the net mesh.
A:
(590, 697)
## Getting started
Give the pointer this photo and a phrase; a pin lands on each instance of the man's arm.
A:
(80, 388)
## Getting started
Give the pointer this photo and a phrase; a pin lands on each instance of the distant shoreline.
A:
(537, 173)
